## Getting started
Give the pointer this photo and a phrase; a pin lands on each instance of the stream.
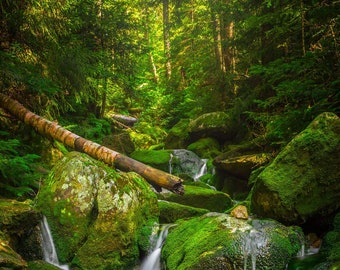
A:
(48, 248)
(153, 260)
(253, 242)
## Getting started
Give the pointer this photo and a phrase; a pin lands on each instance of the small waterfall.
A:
(202, 171)
(170, 163)
(252, 246)
(187, 162)
(153, 260)
(49, 251)
(302, 252)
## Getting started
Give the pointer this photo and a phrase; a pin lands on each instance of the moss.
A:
(96, 212)
(200, 197)
(9, 259)
(199, 242)
(205, 239)
(210, 120)
(38, 265)
(115, 240)
(144, 235)
(170, 212)
(303, 180)
(155, 158)
(205, 148)
(178, 135)
(15, 216)
(331, 242)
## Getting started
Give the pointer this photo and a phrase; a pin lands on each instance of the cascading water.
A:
(153, 260)
(170, 163)
(49, 251)
(202, 171)
(253, 243)
(187, 162)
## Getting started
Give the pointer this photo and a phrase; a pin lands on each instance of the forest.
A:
(272, 65)
(246, 90)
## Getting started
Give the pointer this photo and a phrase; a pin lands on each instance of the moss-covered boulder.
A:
(330, 247)
(18, 221)
(186, 164)
(218, 241)
(241, 166)
(17, 218)
(180, 162)
(205, 148)
(171, 211)
(10, 259)
(120, 142)
(155, 158)
(200, 197)
(95, 213)
(303, 181)
(178, 135)
(218, 125)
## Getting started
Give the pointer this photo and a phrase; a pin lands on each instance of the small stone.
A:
(240, 212)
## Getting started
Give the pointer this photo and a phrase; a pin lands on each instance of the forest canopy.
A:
(273, 65)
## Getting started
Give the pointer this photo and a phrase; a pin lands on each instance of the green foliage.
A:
(89, 127)
(17, 171)
(145, 134)
(298, 92)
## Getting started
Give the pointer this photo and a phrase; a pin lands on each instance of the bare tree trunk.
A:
(166, 34)
(51, 130)
(303, 45)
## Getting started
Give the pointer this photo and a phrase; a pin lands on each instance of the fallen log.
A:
(52, 130)
(124, 119)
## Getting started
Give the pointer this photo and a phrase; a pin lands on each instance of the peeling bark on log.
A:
(52, 130)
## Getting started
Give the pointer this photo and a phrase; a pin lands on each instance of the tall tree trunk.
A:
(51, 130)
(166, 34)
(216, 30)
(302, 14)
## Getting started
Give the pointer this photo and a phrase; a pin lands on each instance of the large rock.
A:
(200, 197)
(179, 162)
(155, 158)
(205, 148)
(17, 221)
(218, 241)
(10, 259)
(303, 182)
(171, 211)
(218, 125)
(330, 247)
(241, 166)
(96, 213)
(178, 135)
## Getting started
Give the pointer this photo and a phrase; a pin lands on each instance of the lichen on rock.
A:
(96, 213)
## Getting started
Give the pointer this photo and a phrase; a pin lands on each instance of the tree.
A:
(54, 131)
(166, 33)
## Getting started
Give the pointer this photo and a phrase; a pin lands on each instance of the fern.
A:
(18, 176)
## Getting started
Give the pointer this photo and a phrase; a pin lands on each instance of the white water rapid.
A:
(153, 260)
(49, 251)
